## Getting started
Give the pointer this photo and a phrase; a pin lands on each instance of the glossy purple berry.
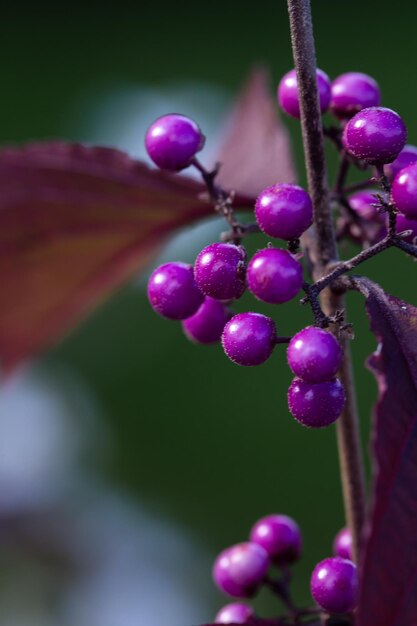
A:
(404, 191)
(274, 276)
(280, 536)
(405, 224)
(362, 203)
(207, 324)
(240, 569)
(342, 545)
(316, 405)
(284, 211)
(334, 585)
(172, 141)
(219, 271)
(234, 613)
(407, 156)
(249, 338)
(352, 92)
(288, 93)
(314, 355)
(172, 291)
(375, 135)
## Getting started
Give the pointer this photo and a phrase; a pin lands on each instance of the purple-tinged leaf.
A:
(388, 595)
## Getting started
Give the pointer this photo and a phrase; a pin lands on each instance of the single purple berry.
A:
(274, 276)
(314, 355)
(172, 291)
(284, 211)
(207, 324)
(234, 613)
(405, 224)
(407, 155)
(342, 545)
(288, 93)
(334, 585)
(219, 271)
(316, 405)
(362, 203)
(249, 338)
(375, 135)
(172, 141)
(404, 191)
(352, 92)
(239, 570)
(280, 536)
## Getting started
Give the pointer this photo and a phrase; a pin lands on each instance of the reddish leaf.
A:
(389, 576)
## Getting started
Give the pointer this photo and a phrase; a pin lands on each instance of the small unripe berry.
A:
(207, 324)
(362, 203)
(375, 135)
(334, 585)
(249, 338)
(288, 93)
(352, 92)
(316, 405)
(240, 569)
(220, 271)
(342, 545)
(172, 291)
(314, 355)
(284, 211)
(280, 536)
(234, 613)
(274, 276)
(172, 141)
(407, 155)
(404, 191)
(405, 224)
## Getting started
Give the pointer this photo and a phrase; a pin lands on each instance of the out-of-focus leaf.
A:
(388, 594)
(256, 152)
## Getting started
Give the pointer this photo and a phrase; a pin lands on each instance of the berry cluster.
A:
(275, 541)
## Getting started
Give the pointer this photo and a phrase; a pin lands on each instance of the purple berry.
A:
(220, 271)
(342, 545)
(284, 211)
(274, 276)
(280, 536)
(404, 224)
(172, 291)
(404, 191)
(234, 613)
(172, 141)
(207, 324)
(407, 155)
(334, 585)
(352, 92)
(240, 569)
(362, 201)
(375, 135)
(288, 93)
(316, 405)
(314, 355)
(249, 338)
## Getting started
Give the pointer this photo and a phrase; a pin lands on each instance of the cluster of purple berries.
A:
(276, 540)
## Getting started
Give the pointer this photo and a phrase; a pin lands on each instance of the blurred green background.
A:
(195, 439)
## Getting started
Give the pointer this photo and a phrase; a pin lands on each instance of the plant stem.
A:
(322, 250)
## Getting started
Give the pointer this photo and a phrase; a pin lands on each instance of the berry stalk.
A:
(320, 245)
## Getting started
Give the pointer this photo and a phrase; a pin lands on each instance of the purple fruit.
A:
(234, 613)
(375, 135)
(314, 355)
(316, 405)
(249, 338)
(405, 224)
(404, 191)
(342, 545)
(284, 211)
(207, 324)
(288, 93)
(362, 203)
(334, 585)
(172, 291)
(172, 141)
(407, 155)
(240, 569)
(280, 536)
(219, 271)
(274, 276)
(352, 92)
